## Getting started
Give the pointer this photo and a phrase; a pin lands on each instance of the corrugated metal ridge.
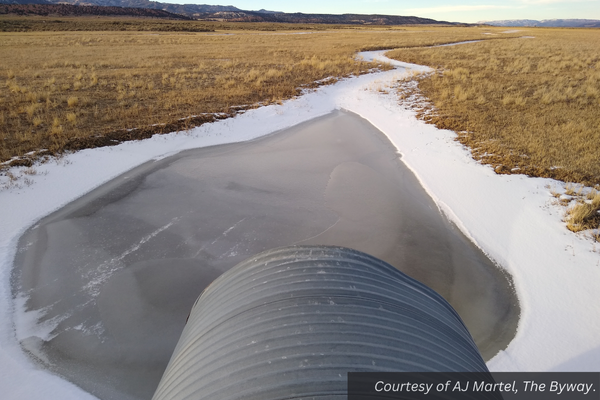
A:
(291, 322)
(424, 335)
(244, 281)
(363, 267)
(388, 321)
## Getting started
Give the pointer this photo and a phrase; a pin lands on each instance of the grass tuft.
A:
(584, 215)
(72, 101)
(72, 117)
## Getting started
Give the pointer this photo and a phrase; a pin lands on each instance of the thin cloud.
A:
(441, 9)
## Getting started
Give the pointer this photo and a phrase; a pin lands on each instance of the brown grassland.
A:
(524, 105)
(527, 105)
(71, 90)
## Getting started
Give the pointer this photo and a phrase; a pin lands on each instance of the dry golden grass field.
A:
(524, 105)
(529, 105)
(69, 90)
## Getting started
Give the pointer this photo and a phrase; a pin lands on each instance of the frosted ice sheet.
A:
(117, 271)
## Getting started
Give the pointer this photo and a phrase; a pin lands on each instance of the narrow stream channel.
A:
(115, 273)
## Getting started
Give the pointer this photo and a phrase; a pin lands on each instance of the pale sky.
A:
(448, 10)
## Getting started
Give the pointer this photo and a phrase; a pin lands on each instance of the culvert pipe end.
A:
(292, 322)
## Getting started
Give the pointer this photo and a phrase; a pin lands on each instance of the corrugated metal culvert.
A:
(291, 322)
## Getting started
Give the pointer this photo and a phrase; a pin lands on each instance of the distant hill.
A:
(354, 19)
(64, 10)
(234, 14)
(183, 9)
(557, 23)
(24, 2)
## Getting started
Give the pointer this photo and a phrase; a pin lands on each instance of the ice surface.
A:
(116, 272)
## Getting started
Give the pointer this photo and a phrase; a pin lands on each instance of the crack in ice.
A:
(106, 269)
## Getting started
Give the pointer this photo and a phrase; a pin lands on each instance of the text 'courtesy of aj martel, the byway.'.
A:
(530, 386)
(554, 387)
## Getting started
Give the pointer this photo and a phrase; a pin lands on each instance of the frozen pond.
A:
(114, 274)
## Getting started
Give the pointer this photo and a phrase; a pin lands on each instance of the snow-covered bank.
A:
(510, 217)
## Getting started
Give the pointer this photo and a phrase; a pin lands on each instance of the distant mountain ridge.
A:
(199, 8)
(555, 23)
(234, 14)
(24, 2)
(64, 10)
